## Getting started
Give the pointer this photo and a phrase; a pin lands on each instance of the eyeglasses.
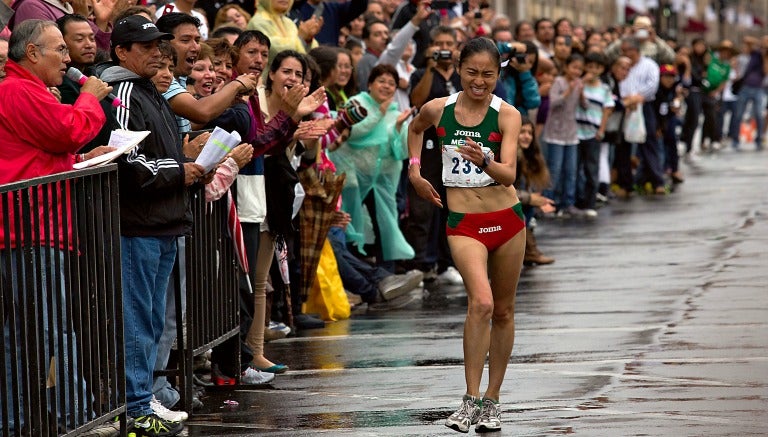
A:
(382, 81)
(62, 50)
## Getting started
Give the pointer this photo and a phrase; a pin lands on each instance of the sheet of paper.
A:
(216, 148)
(123, 140)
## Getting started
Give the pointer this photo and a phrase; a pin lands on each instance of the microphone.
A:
(77, 76)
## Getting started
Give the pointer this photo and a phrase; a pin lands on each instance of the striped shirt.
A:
(590, 116)
(177, 87)
(643, 79)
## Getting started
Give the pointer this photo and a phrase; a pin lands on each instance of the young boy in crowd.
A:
(164, 76)
(667, 105)
(545, 76)
(592, 116)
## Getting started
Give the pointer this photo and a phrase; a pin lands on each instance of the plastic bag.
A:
(327, 296)
(634, 126)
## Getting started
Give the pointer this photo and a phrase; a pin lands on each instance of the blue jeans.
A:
(147, 263)
(756, 96)
(68, 416)
(726, 106)
(161, 388)
(561, 160)
(357, 276)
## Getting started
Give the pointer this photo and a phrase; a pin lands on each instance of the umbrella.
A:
(323, 189)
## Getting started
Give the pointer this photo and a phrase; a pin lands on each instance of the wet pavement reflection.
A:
(653, 321)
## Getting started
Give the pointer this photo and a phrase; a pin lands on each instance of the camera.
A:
(506, 48)
(441, 55)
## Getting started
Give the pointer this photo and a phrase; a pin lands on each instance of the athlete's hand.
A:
(424, 189)
(472, 152)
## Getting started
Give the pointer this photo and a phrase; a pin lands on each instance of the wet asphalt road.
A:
(652, 322)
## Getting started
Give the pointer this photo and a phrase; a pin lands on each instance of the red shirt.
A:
(40, 135)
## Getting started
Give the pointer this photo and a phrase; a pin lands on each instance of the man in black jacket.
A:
(153, 209)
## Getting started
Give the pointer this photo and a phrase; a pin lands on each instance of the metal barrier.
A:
(62, 304)
(212, 273)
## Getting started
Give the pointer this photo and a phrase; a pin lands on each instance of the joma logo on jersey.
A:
(489, 230)
(467, 133)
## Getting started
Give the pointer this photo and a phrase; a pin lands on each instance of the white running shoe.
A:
(252, 376)
(490, 417)
(165, 413)
(282, 327)
(450, 276)
(467, 415)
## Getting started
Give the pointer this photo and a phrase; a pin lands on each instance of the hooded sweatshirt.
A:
(153, 197)
(282, 32)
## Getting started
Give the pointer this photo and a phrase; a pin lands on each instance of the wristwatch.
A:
(486, 161)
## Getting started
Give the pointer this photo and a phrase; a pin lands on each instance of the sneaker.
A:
(467, 415)
(490, 417)
(590, 213)
(450, 276)
(218, 378)
(430, 275)
(394, 286)
(252, 376)
(153, 426)
(571, 212)
(282, 327)
(273, 334)
(165, 413)
(601, 198)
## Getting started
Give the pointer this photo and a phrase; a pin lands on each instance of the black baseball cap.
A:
(136, 28)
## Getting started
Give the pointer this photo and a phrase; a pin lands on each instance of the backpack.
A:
(717, 73)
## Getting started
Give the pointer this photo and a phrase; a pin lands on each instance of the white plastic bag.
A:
(634, 126)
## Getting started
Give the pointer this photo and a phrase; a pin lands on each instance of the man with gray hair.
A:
(651, 46)
(638, 91)
(40, 138)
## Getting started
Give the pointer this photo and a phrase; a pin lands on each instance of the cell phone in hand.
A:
(319, 9)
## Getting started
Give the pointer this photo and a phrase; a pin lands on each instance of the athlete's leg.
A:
(471, 258)
(504, 265)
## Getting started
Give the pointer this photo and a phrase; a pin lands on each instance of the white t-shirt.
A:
(171, 7)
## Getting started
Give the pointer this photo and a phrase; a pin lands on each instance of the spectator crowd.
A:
(314, 85)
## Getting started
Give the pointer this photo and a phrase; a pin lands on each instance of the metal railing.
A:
(60, 290)
(212, 308)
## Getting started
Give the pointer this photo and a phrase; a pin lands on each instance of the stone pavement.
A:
(652, 322)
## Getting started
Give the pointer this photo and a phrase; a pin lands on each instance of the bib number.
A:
(459, 172)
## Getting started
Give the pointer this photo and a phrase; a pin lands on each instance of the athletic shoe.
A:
(153, 426)
(273, 334)
(590, 213)
(394, 286)
(218, 378)
(490, 417)
(252, 376)
(165, 413)
(467, 415)
(275, 326)
(450, 276)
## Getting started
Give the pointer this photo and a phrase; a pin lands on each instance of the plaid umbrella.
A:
(323, 189)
